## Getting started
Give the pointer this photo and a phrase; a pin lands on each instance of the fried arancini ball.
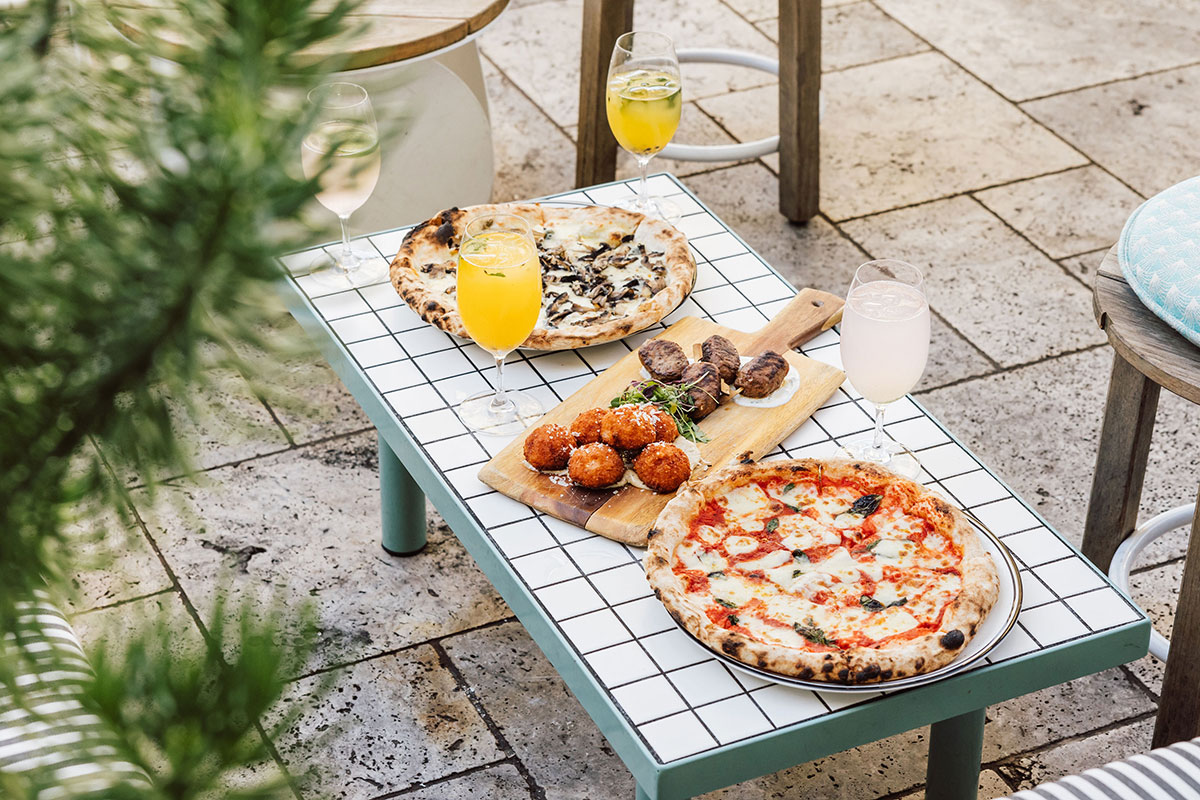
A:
(549, 446)
(662, 466)
(595, 465)
(628, 427)
(586, 426)
(664, 425)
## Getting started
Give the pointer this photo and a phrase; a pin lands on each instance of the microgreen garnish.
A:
(726, 603)
(788, 488)
(871, 604)
(717, 574)
(772, 524)
(734, 620)
(494, 274)
(674, 400)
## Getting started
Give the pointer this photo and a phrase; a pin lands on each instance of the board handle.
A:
(807, 314)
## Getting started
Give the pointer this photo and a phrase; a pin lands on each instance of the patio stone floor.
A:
(998, 148)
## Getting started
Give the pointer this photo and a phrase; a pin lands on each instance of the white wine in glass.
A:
(884, 347)
(643, 101)
(342, 153)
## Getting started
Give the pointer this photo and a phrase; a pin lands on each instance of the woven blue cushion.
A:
(1159, 254)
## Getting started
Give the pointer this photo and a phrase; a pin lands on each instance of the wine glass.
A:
(499, 295)
(643, 100)
(884, 346)
(342, 152)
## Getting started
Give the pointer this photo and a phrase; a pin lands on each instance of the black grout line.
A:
(537, 792)
(1005, 370)
(512, 760)
(123, 602)
(1109, 82)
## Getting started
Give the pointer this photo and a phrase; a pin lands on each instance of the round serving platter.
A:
(992, 631)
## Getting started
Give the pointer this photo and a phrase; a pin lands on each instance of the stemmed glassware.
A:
(499, 293)
(345, 144)
(884, 346)
(643, 100)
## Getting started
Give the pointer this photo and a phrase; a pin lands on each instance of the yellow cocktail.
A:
(643, 109)
(499, 295)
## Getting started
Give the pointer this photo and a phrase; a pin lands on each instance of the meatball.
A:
(705, 391)
(549, 446)
(628, 427)
(664, 425)
(762, 375)
(665, 361)
(662, 467)
(720, 352)
(586, 426)
(595, 466)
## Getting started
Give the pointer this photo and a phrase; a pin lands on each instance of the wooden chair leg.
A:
(1121, 462)
(1179, 706)
(799, 108)
(595, 147)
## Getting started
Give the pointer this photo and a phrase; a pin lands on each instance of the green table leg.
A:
(403, 505)
(955, 747)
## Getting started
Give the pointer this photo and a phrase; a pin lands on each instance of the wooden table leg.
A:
(403, 506)
(595, 147)
(799, 108)
(1179, 706)
(955, 747)
(1121, 462)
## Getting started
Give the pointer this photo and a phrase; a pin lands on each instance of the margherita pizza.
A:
(823, 570)
(606, 272)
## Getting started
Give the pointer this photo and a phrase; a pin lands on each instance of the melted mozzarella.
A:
(708, 534)
(888, 622)
(692, 555)
(894, 549)
(740, 545)
(747, 507)
(841, 565)
(887, 592)
(772, 559)
(799, 532)
(937, 591)
(733, 589)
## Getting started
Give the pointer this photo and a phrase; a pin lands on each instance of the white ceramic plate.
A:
(992, 631)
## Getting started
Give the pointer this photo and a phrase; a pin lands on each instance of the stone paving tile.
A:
(538, 48)
(502, 782)
(538, 716)
(1085, 704)
(532, 154)
(1065, 214)
(1038, 428)
(756, 10)
(307, 397)
(991, 785)
(116, 624)
(905, 131)
(1077, 755)
(853, 34)
(814, 254)
(1011, 301)
(1084, 266)
(305, 525)
(110, 562)
(1027, 52)
(1142, 130)
(1157, 592)
(386, 724)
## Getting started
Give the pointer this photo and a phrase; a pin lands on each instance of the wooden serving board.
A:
(736, 432)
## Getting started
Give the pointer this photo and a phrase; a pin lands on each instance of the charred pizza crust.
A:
(632, 269)
(856, 665)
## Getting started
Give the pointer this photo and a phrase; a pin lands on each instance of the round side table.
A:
(1148, 355)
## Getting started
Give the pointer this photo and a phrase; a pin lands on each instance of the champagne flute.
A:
(499, 291)
(643, 100)
(342, 152)
(884, 346)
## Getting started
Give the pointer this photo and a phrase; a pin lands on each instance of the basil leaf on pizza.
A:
(839, 571)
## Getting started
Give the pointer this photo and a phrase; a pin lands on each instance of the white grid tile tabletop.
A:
(671, 696)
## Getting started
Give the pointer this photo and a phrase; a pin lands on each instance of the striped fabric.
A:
(47, 738)
(1169, 773)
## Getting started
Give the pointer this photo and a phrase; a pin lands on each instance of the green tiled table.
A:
(683, 722)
